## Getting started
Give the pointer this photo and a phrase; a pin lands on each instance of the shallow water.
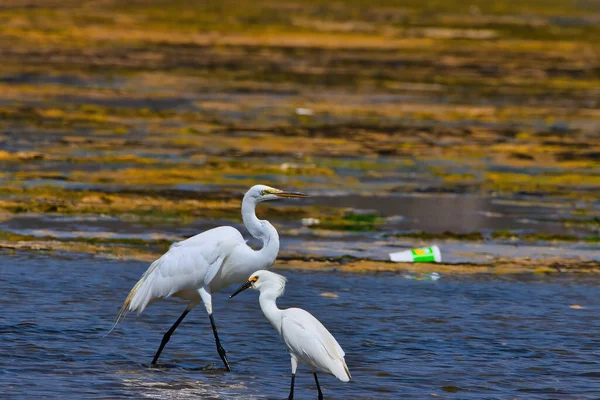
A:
(463, 338)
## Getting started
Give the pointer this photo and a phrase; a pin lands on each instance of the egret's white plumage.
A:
(312, 344)
(307, 339)
(203, 264)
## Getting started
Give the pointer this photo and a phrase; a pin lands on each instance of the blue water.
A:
(455, 338)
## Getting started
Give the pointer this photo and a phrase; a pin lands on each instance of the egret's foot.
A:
(168, 334)
(154, 364)
(220, 349)
(222, 354)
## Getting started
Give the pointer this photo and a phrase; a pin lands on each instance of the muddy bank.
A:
(129, 127)
(149, 252)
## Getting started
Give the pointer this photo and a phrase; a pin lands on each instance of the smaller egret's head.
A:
(262, 280)
(260, 193)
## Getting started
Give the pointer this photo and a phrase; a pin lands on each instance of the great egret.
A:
(208, 262)
(308, 340)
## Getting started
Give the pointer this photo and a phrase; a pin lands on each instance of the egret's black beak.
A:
(245, 286)
(297, 195)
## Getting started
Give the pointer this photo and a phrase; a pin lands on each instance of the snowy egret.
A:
(195, 268)
(308, 340)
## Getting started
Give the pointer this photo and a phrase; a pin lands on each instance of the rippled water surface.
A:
(461, 338)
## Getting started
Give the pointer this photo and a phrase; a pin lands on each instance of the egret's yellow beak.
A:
(283, 193)
(291, 194)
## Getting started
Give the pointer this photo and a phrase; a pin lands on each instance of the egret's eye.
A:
(253, 279)
(263, 192)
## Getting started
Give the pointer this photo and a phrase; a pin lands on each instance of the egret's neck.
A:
(268, 305)
(261, 230)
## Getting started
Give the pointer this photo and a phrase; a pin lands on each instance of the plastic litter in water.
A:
(422, 254)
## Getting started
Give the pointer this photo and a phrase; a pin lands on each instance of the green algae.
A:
(447, 235)
(543, 237)
(351, 223)
(497, 235)
(146, 206)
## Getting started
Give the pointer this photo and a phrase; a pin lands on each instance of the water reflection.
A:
(455, 213)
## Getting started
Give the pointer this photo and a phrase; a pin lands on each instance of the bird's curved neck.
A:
(268, 305)
(261, 230)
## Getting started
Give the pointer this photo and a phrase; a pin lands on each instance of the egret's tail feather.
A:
(126, 305)
(341, 372)
(347, 371)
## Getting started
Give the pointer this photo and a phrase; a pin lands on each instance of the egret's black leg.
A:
(318, 386)
(220, 348)
(291, 396)
(167, 335)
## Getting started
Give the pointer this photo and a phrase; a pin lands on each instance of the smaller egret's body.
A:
(201, 265)
(309, 342)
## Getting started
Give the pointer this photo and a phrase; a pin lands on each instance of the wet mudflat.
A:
(518, 336)
(463, 121)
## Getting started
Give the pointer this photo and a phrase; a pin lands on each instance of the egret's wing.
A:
(309, 322)
(311, 341)
(189, 264)
(213, 269)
